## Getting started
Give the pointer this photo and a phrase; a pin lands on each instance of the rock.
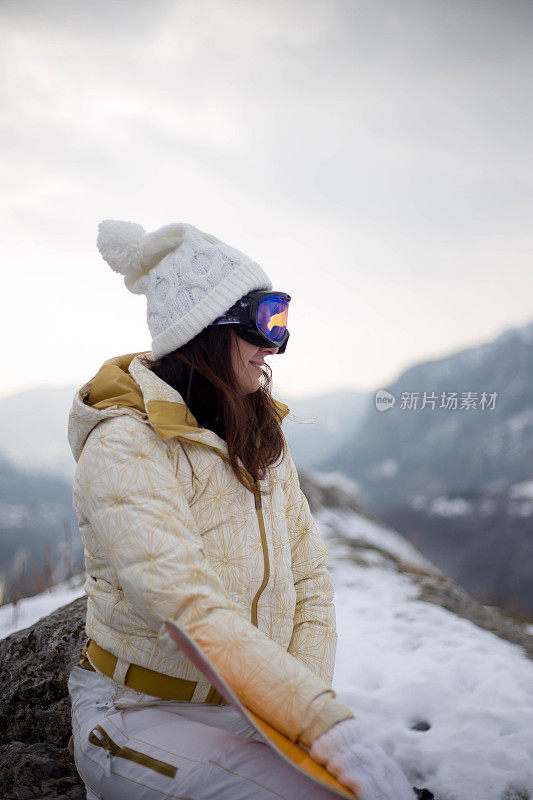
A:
(35, 760)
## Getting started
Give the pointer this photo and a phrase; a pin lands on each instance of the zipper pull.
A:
(98, 737)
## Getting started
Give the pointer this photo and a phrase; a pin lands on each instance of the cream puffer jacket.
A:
(244, 575)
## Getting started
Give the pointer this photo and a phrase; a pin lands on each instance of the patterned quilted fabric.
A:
(170, 533)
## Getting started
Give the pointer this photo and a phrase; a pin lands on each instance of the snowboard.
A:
(289, 751)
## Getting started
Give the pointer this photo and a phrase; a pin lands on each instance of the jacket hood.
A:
(126, 385)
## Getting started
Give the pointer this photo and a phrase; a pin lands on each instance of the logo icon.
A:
(384, 400)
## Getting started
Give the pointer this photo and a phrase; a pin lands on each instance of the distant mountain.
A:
(321, 424)
(39, 539)
(483, 541)
(404, 452)
(33, 429)
(455, 481)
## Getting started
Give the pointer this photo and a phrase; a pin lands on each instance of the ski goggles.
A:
(260, 318)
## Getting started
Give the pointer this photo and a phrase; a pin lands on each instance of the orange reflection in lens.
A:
(278, 320)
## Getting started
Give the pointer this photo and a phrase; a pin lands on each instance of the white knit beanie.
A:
(189, 277)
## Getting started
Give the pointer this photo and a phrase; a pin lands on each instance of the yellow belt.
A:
(145, 680)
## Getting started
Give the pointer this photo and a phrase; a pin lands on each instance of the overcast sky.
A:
(373, 157)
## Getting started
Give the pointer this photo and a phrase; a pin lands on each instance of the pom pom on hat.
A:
(121, 245)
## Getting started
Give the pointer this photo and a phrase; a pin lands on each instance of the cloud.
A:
(390, 136)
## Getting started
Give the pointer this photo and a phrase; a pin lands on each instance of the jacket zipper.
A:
(264, 545)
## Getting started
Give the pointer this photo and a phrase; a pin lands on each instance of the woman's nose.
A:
(268, 350)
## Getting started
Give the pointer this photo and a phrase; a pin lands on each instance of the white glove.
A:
(360, 764)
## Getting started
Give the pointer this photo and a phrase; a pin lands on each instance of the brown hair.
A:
(201, 371)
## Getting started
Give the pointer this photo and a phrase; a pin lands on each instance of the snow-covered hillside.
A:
(30, 609)
(451, 702)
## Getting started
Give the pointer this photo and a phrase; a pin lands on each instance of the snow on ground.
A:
(452, 703)
(31, 609)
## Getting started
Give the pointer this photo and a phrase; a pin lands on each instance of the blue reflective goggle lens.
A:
(271, 317)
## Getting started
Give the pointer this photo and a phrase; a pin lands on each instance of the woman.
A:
(190, 510)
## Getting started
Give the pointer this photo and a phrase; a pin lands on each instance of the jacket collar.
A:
(127, 382)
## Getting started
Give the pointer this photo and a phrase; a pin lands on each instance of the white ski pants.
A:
(156, 749)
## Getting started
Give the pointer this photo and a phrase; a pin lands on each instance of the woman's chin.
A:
(251, 386)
